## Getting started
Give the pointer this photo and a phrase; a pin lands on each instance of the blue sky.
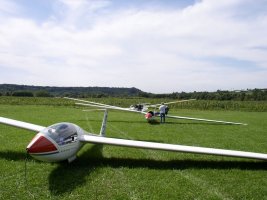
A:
(157, 46)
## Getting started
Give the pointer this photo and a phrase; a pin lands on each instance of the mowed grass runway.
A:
(108, 172)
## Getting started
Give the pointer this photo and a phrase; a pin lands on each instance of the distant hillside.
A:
(81, 92)
(26, 90)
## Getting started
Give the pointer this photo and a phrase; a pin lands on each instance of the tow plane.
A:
(62, 141)
(150, 116)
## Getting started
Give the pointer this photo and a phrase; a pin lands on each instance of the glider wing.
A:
(92, 103)
(205, 120)
(110, 107)
(170, 147)
(167, 103)
(20, 124)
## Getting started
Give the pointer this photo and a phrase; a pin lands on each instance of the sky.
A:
(158, 46)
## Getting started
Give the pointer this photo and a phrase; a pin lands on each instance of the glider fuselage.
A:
(56, 143)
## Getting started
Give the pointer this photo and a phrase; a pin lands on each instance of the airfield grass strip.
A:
(108, 172)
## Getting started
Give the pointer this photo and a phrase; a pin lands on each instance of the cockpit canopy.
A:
(62, 133)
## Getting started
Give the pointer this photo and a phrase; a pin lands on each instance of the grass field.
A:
(107, 172)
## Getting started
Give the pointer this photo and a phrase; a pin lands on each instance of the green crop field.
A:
(108, 172)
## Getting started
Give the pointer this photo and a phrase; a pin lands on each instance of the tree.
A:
(22, 94)
(42, 93)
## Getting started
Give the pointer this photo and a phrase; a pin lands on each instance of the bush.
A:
(22, 94)
(42, 93)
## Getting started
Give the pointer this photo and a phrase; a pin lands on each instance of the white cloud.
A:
(8, 7)
(78, 13)
(154, 50)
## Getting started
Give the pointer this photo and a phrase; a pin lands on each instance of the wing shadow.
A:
(200, 123)
(115, 121)
(15, 156)
(158, 122)
(66, 177)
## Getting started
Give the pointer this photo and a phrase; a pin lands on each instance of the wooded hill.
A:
(47, 91)
(98, 92)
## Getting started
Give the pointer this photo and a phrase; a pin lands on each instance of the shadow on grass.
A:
(200, 123)
(14, 156)
(115, 121)
(167, 122)
(66, 177)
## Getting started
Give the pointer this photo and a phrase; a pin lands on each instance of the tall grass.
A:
(257, 106)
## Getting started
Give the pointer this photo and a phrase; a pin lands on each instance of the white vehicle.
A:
(63, 140)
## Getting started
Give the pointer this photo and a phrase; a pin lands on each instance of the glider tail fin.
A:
(104, 124)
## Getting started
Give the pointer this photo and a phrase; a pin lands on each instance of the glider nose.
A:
(40, 144)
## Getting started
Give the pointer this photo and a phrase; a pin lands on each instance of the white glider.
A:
(150, 115)
(63, 140)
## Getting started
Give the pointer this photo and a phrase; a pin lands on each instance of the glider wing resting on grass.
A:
(150, 115)
(63, 140)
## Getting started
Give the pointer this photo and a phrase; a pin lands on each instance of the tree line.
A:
(220, 95)
(81, 92)
(99, 92)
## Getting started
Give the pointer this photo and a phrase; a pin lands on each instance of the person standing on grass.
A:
(166, 110)
(162, 111)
